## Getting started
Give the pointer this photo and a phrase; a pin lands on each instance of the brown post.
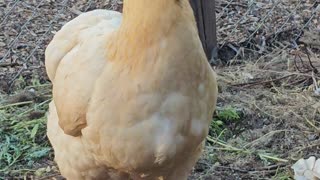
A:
(204, 11)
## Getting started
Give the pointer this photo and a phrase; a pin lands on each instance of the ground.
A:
(268, 107)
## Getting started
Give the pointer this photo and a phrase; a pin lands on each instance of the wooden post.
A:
(204, 11)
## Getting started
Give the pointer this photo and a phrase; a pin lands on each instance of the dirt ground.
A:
(268, 107)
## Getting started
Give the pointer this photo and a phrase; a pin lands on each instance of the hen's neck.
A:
(149, 20)
(146, 23)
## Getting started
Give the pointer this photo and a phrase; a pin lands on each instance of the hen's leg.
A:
(185, 165)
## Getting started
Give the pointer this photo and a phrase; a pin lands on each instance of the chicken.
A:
(133, 94)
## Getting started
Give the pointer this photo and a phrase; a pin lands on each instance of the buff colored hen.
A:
(133, 94)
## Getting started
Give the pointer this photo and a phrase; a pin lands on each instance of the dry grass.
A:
(279, 122)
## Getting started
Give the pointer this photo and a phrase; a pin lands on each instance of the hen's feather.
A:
(136, 102)
(76, 57)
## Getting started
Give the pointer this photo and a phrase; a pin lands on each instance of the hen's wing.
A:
(74, 60)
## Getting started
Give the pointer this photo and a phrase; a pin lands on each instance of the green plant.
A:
(23, 142)
(228, 114)
(223, 117)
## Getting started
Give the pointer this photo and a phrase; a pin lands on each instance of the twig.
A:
(307, 120)
(264, 136)
(9, 64)
(16, 104)
(315, 70)
(249, 84)
(233, 169)
(271, 167)
(315, 144)
(283, 72)
(50, 176)
(228, 147)
(295, 63)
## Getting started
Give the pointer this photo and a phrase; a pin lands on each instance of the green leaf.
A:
(34, 131)
(219, 123)
(40, 153)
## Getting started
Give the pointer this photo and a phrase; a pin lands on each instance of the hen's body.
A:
(136, 98)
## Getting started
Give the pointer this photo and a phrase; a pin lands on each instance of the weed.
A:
(224, 117)
(23, 141)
